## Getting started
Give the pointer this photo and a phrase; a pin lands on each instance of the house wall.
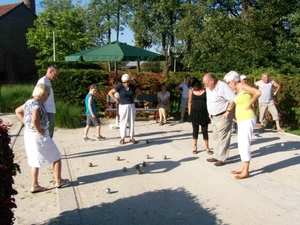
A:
(16, 60)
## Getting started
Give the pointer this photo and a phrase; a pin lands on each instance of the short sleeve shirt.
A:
(219, 98)
(163, 97)
(185, 90)
(49, 104)
(126, 96)
(29, 107)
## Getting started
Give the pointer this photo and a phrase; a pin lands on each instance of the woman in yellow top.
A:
(246, 119)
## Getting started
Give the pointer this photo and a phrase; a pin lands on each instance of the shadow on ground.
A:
(159, 207)
(151, 168)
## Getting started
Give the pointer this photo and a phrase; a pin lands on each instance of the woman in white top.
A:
(163, 98)
(184, 89)
(40, 148)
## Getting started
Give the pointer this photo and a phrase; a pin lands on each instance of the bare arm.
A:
(36, 122)
(178, 89)
(253, 91)
(278, 86)
(111, 94)
(190, 101)
(20, 113)
(158, 101)
(90, 106)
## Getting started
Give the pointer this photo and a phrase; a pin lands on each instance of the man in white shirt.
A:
(265, 85)
(220, 107)
(49, 105)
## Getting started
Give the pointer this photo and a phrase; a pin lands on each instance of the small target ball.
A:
(147, 157)
(124, 169)
(282, 144)
(118, 158)
(90, 164)
(107, 190)
(147, 141)
(137, 166)
(164, 157)
(139, 172)
(144, 163)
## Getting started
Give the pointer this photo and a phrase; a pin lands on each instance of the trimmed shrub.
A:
(12, 96)
(8, 169)
(68, 116)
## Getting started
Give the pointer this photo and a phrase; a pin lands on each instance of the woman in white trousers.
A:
(246, 119)
(127, 93)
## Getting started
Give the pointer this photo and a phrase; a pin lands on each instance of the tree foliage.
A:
(204, 35)
(69, 34)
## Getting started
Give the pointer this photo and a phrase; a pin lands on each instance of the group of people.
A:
(216, 102)
(228, 101)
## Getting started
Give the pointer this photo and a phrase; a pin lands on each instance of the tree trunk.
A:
(245, 9)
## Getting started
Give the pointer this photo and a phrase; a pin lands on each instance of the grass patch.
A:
(68, 116)
(292, 130)
(12, 96)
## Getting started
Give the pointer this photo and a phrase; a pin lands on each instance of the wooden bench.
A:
(142, 100)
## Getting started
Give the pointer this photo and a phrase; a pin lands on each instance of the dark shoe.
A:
(219, 163)
(212, 160)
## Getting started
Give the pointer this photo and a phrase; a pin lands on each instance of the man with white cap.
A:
(127, 93)
(243, 79)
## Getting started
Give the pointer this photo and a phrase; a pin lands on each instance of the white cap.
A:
(125, 77)
(243, 77)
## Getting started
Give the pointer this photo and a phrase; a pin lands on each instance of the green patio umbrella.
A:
(115, 52)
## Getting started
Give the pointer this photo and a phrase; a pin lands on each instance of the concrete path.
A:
(182, 189)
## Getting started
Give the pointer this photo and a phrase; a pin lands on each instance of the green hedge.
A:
(72, 85)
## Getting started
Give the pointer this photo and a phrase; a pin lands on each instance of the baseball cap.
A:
(243, 77)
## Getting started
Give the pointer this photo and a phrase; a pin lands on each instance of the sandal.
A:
(160, 124)
(63, 183)
(133, 140)
(38, 189)
(208, 151)
(122, 141)
(195, 151)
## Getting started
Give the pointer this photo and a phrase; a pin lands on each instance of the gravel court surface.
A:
(183, 189)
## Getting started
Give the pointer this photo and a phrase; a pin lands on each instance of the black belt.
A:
(219, 114)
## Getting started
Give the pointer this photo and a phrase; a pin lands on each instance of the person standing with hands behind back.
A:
(127, 93)
(184, 89)
(91, 114)
(220, 107)
(49, 105)
(39, 146)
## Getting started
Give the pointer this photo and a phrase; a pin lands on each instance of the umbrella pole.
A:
(117, 106)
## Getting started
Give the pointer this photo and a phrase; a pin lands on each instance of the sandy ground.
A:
(182, 189)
